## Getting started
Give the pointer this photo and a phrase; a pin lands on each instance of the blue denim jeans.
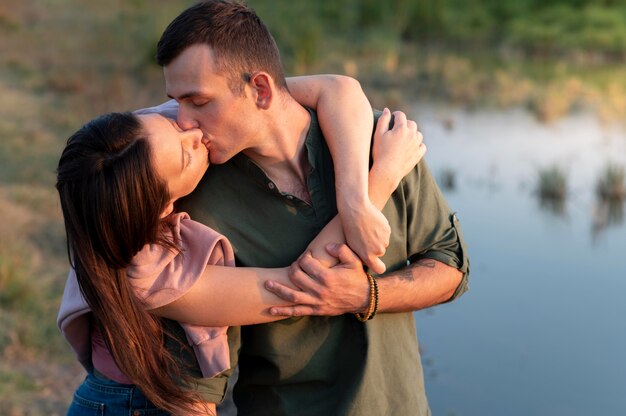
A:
(98, 396)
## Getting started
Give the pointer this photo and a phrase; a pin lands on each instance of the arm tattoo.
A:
(428, 263)
(407, 274)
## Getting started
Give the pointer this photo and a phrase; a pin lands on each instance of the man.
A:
(270, 191)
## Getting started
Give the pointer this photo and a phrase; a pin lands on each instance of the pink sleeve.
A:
(73, 320)
(160, 276)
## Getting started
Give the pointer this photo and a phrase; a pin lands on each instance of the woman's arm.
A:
(346, 118)
(395, 153)
(227, 296)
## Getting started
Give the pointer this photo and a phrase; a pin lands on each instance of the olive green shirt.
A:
(326, 365)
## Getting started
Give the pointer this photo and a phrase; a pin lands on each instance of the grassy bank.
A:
(549, 57)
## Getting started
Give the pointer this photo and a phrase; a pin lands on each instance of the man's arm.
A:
(420, 285)
(423, 283)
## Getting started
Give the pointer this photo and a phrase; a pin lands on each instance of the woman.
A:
(134, 258)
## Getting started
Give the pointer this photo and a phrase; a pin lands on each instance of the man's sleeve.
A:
(433, 230)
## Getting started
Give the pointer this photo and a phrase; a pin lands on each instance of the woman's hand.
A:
(396, 151)
(367, 232)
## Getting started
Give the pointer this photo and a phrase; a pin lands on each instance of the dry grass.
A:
(61, 63)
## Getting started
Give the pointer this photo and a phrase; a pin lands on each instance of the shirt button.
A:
(271, 185)
(136, 413)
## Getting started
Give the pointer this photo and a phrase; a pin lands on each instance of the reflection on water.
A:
(552, 205)
(447, 179)
(542, 329)
(607, 213)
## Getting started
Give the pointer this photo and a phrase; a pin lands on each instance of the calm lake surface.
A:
(542, 330)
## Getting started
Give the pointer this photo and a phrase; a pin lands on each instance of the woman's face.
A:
(179, 156)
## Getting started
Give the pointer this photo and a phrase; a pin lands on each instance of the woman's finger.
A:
(343, 253)
(382, 126)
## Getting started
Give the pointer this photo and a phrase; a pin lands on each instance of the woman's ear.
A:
(168, 210)
(263, 86)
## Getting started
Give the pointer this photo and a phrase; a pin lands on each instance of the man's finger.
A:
(305, 282)
(293, 269)
(289, 294)
(311, 266)
(299, 310)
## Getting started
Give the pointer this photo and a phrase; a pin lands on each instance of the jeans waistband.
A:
(101, 385)
(99, 382)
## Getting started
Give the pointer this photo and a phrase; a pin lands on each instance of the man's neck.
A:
(282, 153)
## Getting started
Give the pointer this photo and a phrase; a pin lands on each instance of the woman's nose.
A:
(194, 137)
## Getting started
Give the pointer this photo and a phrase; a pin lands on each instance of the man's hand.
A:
(340, 289)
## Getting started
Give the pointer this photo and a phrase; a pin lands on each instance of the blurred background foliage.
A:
(63, 62)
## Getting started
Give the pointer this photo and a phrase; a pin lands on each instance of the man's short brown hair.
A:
(241, 43)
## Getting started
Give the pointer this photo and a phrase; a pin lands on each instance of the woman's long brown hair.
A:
(112, 200)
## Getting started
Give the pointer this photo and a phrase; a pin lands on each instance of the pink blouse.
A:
(159, 277)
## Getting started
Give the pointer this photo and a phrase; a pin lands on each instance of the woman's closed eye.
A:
(186, 158)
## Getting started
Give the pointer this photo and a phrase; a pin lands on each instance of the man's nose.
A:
(185, 120)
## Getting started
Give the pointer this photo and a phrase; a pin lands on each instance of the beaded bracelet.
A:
(372, 306)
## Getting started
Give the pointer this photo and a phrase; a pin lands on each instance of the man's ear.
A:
(263, 87)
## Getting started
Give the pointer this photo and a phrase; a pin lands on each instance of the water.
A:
(542, 330)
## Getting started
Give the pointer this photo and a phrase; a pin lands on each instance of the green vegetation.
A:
(611, 185)
(552, 183)
(552, 189)
(63, 62)
(447, 179)
(611, 192)
(538, 28)
(551, 57)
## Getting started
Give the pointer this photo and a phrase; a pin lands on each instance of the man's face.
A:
(207, 102)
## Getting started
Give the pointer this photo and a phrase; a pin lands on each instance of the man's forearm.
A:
(420, 285)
